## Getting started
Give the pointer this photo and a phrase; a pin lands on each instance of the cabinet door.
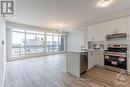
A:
(93, 32)
(90, 35)
(128, 62)
(111, 27)
(101, 58)
(102, 31)
(97, 58)
(91, 60)
(121, 25)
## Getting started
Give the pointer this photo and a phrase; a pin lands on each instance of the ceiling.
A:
(67, 13)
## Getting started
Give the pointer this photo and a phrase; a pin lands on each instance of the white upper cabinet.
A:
(117, 26)
(98, 32)
(89, 33)
(102, 31)
(93, 32)
(121, 25)
(128, 23)
(110, 27)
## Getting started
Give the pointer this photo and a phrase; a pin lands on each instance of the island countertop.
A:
(77, 51)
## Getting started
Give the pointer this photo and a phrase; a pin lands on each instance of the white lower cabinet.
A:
(95, 58)
(99, 57)
(91, 60)
(102, 58)
(128, 62)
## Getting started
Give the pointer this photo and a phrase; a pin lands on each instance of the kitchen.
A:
(106, 46)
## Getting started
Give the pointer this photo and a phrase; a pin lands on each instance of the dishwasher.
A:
(83, 62)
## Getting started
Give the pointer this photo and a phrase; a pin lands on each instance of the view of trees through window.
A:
(28, 42)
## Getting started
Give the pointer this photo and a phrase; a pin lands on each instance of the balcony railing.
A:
(19, 50)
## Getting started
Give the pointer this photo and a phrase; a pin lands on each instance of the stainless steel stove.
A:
(116, 56)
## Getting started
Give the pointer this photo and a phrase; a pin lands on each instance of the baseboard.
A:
(4, 75)
(33, 56)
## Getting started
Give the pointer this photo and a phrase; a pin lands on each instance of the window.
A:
(49, 43)
(61, 43)
(18, 43)
(40, 43)
(56, 43)
(30, 42)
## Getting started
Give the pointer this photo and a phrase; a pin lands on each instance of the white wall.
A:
(8, 43)
(75, 39)
(2, 51)
(103, 18)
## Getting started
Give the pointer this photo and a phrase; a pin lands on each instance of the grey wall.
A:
(75, 40)
(2, 51)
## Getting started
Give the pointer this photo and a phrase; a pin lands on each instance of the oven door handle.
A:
(114, 55)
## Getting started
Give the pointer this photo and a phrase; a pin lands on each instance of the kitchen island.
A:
(76, 62)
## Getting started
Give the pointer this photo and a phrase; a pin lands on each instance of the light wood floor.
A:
(50, 72)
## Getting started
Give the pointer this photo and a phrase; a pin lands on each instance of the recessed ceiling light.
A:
(104, 3)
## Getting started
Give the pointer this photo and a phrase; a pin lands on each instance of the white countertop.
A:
(81, 51)
(76, 51)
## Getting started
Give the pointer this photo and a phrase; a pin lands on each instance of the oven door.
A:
(115, 61)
